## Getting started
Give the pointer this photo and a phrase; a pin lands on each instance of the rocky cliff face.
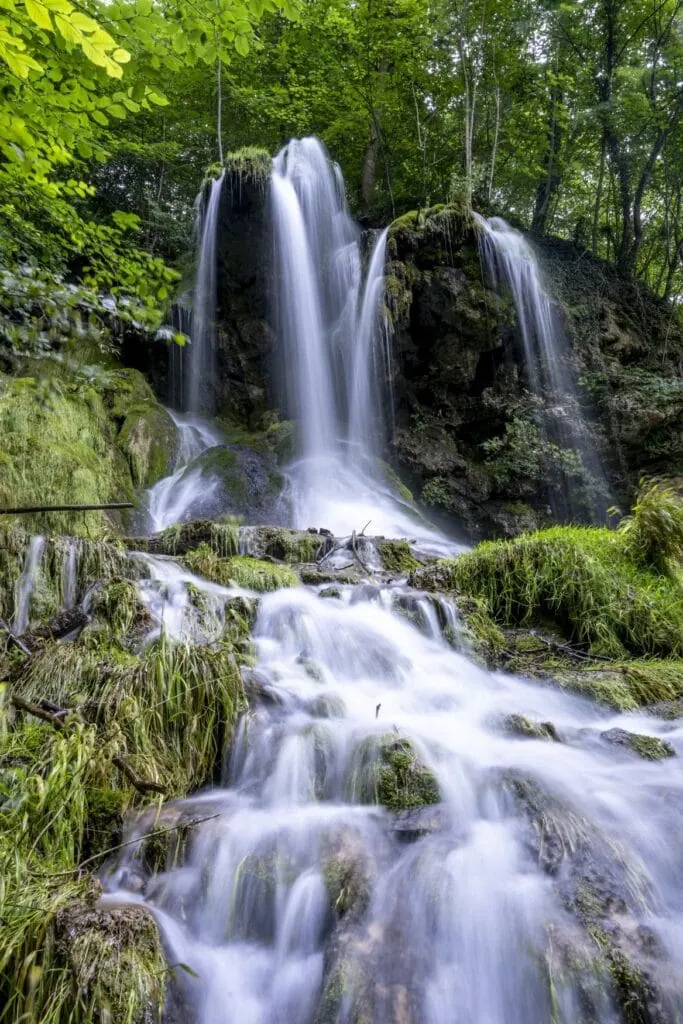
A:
(468, 429)
(469, 437)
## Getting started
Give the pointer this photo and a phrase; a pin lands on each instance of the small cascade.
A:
(70, 573)
(461, 911)
(334, 352)
(511, 264)
(172, 499)
(26, 584)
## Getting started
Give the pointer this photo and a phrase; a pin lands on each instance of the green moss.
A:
(104, 819)
(626, 686)
(520, 725)
(386, 770)
(580, 578)
(58, 447)
(397, 556)
(240, 571)
(650, 748)
(118, 605)
(285, 545)
(148, 439)
(251, 163)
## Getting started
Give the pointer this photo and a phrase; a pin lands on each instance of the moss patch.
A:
(148, 439)
(386, 770)
(650, 748)
(240, 571)
(581, 579)
(397, 556)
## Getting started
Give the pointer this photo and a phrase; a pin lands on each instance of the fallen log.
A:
(54, 629)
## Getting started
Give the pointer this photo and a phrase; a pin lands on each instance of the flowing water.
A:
(201, 366)
(175, 498)
(299, 902)
(511, 264)
(334, 350)
(26, 584)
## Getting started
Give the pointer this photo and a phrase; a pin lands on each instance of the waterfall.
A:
(199, 360)
(70, 573)
(298, 900)
(511, 264)
(172, 498)
(26, 583)
(334, 352)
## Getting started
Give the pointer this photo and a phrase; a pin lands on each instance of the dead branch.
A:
(140, 784)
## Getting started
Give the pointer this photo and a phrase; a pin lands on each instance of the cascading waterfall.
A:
(511, 263)
(172, 499)
(334, 351)
(192, 368)
(299, 902)
(26, 583)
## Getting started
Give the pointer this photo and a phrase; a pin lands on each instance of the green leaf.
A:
(242, 45)
(116, 110)
(121, 56)
(39, 14)
(156, 97)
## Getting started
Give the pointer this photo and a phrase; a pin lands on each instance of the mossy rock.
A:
(115, 959)
(580, 578)
(650, 748)
(386, 770)
(149, 440)
(240, 570)
(520, 725)
(397, 556)
(59, 447)
(346, 870)
(118, 606)
(284, 544)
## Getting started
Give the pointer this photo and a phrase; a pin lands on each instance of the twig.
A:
(20, 510)
(38, 712)
(571, 651)
(362, 532)
(139, 784)
(12, 638)
(120, 846)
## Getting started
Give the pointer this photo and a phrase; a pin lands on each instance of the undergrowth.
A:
(585, 580)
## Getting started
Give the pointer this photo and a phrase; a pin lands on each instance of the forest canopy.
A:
(565, 117)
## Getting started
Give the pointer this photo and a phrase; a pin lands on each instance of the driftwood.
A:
(26, 509)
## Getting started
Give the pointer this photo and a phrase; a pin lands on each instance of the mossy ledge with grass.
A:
(94, 730)
(597, 610)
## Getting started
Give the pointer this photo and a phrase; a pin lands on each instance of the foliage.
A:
(240, 571)
(584, 580)
(653, 532)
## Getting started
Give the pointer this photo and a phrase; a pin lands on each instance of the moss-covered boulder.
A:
(397, 556)
(148, 438)
(650, 748)
(385, 769)
(115, 961)
(525, 728)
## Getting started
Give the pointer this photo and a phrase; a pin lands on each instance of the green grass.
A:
(240, 570)
(584, 580)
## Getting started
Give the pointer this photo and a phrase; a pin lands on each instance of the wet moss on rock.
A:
(520, 725)
(650, 748)
(240, 570)
(149, 440)
(397, 556)
(386, 770)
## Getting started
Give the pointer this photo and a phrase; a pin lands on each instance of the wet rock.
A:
(386, 769)
(520, 725)
(115, 959)
(651, 748)
(149, 440)
(417, 822)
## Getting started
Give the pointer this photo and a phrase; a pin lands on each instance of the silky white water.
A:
(334, 353)
(26, 584)
(201, 363)
(511, 264)
(173, 498)
(467, 924)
